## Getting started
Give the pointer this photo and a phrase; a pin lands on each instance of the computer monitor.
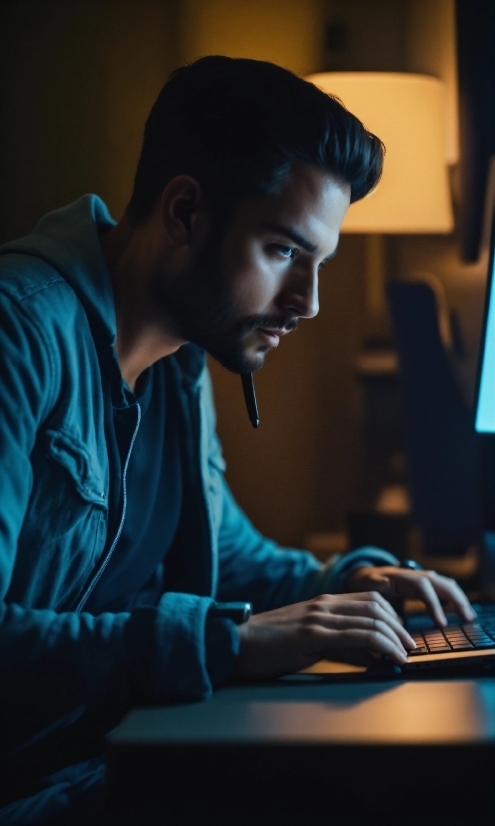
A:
(485, 404)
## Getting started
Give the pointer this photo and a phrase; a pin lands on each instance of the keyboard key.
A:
(461, 646)
(439, 649)
(418, 651)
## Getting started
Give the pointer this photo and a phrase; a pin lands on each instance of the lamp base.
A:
(378, 328)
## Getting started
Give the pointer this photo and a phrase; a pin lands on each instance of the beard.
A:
(200, 307)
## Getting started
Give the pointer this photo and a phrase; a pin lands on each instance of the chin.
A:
(242, 361)
(257, 359)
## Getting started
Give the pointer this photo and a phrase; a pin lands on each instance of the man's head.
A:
(250, 170)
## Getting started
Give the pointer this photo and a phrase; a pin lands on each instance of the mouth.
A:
(272, 337)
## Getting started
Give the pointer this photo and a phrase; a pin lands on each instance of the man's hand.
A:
(288, 639)
(428, 586)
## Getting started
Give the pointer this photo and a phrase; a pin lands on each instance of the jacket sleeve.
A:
(53, 664)
(255, 569)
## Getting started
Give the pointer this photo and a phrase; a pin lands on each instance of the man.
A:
(118, 534)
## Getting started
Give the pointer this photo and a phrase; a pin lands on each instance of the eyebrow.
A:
(298, 239)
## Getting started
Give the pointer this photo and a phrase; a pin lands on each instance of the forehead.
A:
(311, 200)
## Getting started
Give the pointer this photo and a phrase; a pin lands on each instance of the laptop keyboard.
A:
(462, 637)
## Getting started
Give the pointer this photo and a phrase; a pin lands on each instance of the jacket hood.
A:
(67, 239)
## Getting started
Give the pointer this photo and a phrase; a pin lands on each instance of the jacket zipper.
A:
(94, 582)
(204, 492)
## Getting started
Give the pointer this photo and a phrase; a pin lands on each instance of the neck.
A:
(131, 257)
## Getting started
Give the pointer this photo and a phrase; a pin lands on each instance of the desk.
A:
(305, 751)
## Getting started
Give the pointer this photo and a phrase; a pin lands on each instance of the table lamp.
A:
(407, 112)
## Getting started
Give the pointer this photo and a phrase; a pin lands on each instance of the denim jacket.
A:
(60, 380)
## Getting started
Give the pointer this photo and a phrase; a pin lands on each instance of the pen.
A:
(250, 398)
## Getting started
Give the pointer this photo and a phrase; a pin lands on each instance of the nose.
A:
(301, 293)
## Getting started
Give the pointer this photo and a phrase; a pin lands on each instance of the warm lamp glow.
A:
(407, 112)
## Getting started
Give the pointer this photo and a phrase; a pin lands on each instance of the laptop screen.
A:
(485, 409)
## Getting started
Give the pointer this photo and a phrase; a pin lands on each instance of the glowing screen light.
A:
(485, 412)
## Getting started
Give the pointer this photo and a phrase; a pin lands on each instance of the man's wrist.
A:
(337, 579)
(354, 572)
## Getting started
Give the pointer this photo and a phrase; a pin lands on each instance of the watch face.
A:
(411, 564)
(238, 612)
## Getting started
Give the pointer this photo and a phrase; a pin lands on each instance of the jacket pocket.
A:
(64, 529)
(63, 448)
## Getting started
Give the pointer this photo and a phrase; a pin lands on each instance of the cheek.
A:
(255, 282)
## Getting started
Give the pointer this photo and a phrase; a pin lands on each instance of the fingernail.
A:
(472, 614)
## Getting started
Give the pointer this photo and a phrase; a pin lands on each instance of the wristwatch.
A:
(238, 612)
(411, 565)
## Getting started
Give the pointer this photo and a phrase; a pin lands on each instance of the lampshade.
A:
(407, 112)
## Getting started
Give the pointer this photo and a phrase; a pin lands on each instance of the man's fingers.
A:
(430, 587)
(367, 638)
(427, 593)
(449, 590)
(373, 610)
(366, 596)
(349, 623)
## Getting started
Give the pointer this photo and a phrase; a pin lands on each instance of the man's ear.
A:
(182, 205)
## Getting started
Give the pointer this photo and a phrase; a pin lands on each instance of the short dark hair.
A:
(238, 125)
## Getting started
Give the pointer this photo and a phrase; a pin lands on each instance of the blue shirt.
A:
(134, 575)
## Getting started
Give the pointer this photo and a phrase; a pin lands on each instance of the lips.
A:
(272, 337)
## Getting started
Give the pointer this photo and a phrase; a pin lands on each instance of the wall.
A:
(77, 79)
(287, 32)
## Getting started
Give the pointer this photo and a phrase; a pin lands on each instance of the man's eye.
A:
(286, 252)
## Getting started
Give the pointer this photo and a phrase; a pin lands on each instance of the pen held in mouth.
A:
(250, 398)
